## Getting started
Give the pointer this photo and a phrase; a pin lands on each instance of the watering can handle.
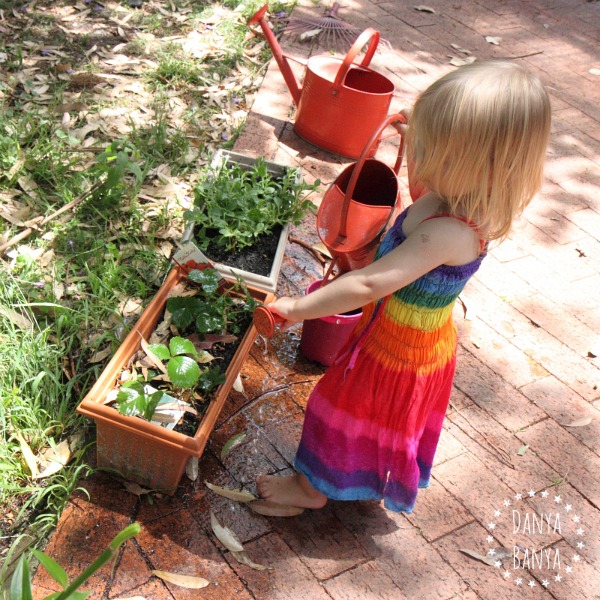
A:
(368, 34)
(361, 161)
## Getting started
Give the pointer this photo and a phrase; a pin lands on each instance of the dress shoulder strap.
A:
(482, 242)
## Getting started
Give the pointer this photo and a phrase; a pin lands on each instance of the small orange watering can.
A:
(340, 103)
(358, 205)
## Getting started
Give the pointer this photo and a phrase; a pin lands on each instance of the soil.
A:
(254, 259)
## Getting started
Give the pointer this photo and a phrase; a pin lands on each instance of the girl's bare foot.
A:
(292, 491)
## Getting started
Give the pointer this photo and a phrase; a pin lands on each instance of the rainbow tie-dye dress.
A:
(374, 419)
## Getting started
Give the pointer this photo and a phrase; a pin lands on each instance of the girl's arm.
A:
(431, 244)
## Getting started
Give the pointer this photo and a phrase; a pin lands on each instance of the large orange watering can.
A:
(358, 205)
(340, 103)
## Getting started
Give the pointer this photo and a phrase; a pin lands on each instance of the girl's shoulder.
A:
(430, 216)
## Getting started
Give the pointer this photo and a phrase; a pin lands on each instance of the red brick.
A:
(565, 406)
(498, 449)
(437, 512)
(175, 543)
(287, 577)
(585, 514)
(85, 529)
(402, 551)
(487, 581)
(490, 391)
(555, 446)
(333, 548)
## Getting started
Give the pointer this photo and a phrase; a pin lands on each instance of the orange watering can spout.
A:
(284, 66)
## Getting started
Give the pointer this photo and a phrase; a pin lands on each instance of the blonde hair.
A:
(478, 138)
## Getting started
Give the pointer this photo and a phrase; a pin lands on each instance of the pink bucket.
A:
(323, 338)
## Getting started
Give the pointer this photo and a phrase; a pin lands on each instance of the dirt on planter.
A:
(257, 258)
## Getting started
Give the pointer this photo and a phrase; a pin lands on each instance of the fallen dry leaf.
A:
(579, 422)
(238, 495)
(459, 49)
(493, 40)
(459, 62)
(272, 509)
(187, 581)
(423, 8)
(488, 560)
(16, 318)
(225, 535)
(231, 443)
(244, 559)
(135, 488)
(28, 455)
(238, 384)
(100, 355)
(521, 451)
(155, 360)
(191, 469)
(55, 458)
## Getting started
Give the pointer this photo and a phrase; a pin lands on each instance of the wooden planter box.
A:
(263, 282)
(141, 451)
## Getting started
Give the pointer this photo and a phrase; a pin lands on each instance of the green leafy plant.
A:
(133, 400)
(20, 587)
(234, 206)
(183, 371)
(212, 312)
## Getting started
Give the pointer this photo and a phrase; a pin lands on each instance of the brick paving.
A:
(528, 367)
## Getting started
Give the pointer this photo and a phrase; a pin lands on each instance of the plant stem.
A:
(127, 533)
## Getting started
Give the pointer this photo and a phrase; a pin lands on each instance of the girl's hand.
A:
(284, 307)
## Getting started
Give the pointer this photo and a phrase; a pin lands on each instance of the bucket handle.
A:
(367, 35)
(389, 120)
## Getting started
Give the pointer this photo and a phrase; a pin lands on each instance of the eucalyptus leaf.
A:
(231, 443)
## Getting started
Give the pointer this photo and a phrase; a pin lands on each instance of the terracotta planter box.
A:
(262, 282)
(141, 451)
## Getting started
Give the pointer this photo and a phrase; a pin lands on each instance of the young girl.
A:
(477, 138)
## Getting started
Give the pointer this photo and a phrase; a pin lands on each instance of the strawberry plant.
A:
(212, 319)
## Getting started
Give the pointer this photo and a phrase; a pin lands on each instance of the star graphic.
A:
(576, 518)
(545, 494)
(491, 525)
(531, 584)
(518, 496)
(545, 583)
(568, 569)
(497, 564)
(489, 539)
(576, 557)
(558, 577)
(580, 531)
(531, 495)
(506, 503)
(518, 581)
(568, 507)
(497, 513)
(557, 499)
(492, 551)
(506, 574)
(580, 545)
